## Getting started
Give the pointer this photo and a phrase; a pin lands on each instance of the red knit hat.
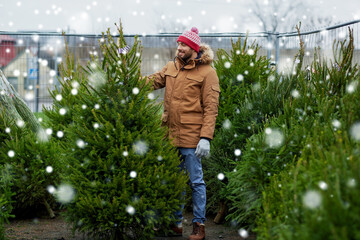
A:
(191, 38)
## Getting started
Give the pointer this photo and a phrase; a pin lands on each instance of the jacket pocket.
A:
(194, 77)
(191, 119)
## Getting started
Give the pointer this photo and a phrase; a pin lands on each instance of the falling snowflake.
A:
(80, 143)
(227, 124)
(323, 185)
(133, 174)
(274, 138)
(227, 65)
(7, 130)
(135, 91)
(51, 189)
(221, 176)
(351, 87)
(351, 183)
(60, 134)
(237, 152)
(251, 52)
(49, 169)
(243, 233)
(240, 77)
(355, 131)
(11, 153)
(20, 123)
(140, 147)
(48, 131)
(58, 97)
(62, 111)
(65, 193)
(130, 210)
(97, 79)
(74, 91)
(295, 93)
(336, 123)
(312, 199)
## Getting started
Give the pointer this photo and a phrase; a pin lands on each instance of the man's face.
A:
(184, 51)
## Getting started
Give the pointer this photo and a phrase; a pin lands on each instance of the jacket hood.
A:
(206, 54)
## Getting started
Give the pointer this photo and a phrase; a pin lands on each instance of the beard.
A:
(185, 55)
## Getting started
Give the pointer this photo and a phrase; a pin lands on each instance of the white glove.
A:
(203, 148)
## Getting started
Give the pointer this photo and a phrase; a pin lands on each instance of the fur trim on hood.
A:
(206, 54)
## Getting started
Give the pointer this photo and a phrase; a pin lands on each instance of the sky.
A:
(149, 16)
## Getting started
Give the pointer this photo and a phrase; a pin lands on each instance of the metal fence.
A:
(30, 60)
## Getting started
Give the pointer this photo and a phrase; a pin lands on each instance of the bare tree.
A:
(283, 15)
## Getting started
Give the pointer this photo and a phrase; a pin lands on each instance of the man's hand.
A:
(203, 148)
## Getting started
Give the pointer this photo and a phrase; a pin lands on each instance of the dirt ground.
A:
(58, 229)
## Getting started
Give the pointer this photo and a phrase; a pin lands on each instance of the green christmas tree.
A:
(243, 75)
(122, 178)
(317, 197)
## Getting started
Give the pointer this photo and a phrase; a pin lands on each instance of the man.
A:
(190, 108)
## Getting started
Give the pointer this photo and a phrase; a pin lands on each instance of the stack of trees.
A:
(296, 174)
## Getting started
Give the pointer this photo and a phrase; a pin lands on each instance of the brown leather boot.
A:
(175, 230)
(198, 232)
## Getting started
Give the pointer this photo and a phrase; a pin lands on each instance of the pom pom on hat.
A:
(195, 30)
(191, 38)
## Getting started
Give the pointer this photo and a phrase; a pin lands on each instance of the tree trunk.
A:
(48, 208)
(220, 216)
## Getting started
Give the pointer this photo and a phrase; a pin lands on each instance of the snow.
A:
(49, 169)
(336, 123)
(130, 209)
(140, 147)
(237, 152)
(58, 97)
(251, 52)
(227, 64)
(243, 233)
(62, 111)
(74, 91)
(240, 77)
(227, 124)
(135, 91)
(133, 174)
(295, 93)
(273, 137)
(312, 199)
(11, 153)
(60, 134)
(80, 143)
(221, 176)
(65, 193)
(355, 131)
(20, 123)
(323, 185)
(351, 183)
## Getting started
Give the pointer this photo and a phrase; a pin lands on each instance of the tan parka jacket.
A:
(191, 98)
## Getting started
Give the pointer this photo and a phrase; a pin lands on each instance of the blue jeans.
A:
(192, 165)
